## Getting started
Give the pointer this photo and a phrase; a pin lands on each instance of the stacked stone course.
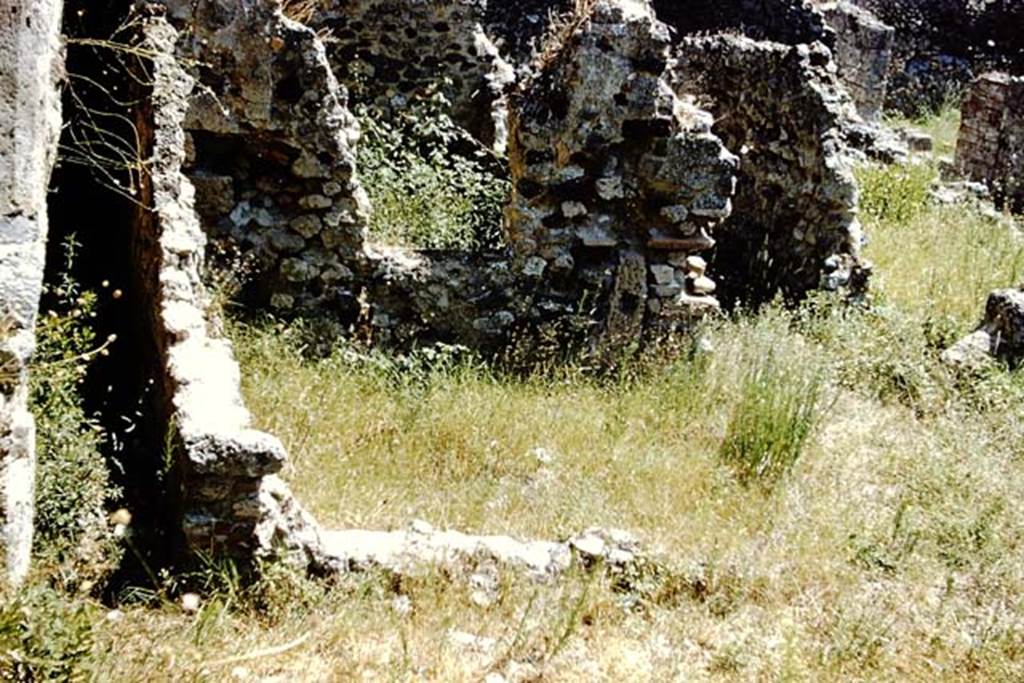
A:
(990, 146)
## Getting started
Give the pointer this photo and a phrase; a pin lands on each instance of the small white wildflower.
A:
(190, 602)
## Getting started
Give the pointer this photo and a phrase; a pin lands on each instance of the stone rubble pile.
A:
(1000, 334)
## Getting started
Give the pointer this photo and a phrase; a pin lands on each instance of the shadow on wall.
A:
(782, 21)
(97, 183)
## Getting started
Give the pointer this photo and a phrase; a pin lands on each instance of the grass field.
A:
(879, 539)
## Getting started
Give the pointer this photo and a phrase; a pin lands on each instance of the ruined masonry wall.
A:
(389, 52)
(794, 224)
(223, 489)
(990, 146)
(270, 150)
(31, 62)
(863, 53)
(622, 184)
(618, 183)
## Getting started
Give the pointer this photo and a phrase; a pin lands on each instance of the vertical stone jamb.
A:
(31, 62)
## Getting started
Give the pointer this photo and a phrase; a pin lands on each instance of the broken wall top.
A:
(618, 183)
(781, 21)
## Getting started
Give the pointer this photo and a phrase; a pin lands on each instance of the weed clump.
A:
(43, 635)
(780, 403)
(73, 485)
(431, 184)
(895, 193)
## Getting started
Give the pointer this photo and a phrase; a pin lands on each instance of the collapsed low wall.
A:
(1000, 336)
(31, 62)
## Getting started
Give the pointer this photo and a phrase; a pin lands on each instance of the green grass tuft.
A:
(896, 193)
(780, 403)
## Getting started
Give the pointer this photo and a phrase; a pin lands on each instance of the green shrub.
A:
(43, 636)
(895, 193)
(780, 403)
(72, 536)
(432, 186)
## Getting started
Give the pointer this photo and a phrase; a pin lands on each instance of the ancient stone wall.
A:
(942, 44)
(31, 62)
(389, 52)
(220, 467)
(622, 185)
(990, 146)
(783, 21)
(863, 52)
(270, 151)
(618, 183)
(793, 226)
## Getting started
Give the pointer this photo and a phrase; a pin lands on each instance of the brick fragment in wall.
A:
(272, 150)
(793, 226)
(613, 174)
(990, 145)
(31, 62)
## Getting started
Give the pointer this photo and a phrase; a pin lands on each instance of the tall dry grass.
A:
(886, 548)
